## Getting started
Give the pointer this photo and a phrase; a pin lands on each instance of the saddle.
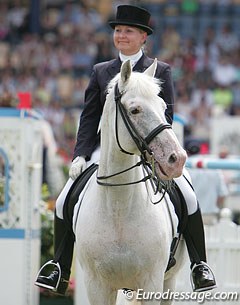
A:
(73, 194)
(180, 208)
(174, 193)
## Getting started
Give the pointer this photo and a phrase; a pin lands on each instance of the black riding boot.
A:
(58, 277)
(202, 277)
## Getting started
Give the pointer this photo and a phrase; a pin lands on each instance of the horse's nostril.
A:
(172, 158)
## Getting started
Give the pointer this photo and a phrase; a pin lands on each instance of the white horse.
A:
(123, 239)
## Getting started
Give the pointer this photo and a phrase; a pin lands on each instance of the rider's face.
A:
(128, 39)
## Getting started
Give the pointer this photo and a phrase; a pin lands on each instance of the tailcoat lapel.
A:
(143, 63)
(114, 67)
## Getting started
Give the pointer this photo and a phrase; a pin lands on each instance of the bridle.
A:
(142, 144)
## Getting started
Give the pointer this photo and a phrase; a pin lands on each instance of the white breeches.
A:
(182, 183)
(187, 191)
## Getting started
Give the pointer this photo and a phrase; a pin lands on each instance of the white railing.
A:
(223, 252)
(21, 151)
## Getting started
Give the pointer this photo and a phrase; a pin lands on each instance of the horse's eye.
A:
(135, 110)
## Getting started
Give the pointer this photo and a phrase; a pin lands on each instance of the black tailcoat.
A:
(95, 95)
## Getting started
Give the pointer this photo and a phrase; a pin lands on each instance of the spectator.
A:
(210, 187)
(227, 40)
(207, 51)
(235, 107)
(17, 17)
(223, 98)
(224, 72)
(190, 7)
(170, 43)
(4, 23)
(202, 103)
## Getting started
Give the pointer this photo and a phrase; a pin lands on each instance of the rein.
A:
(142, 144)
(99, 178)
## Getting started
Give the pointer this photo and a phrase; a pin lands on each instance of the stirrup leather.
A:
(56, 265)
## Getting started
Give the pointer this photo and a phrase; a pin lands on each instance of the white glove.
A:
(78, 165)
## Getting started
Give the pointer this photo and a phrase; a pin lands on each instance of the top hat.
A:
(133, 16)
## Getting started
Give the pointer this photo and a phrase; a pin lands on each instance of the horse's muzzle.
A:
(171, 166)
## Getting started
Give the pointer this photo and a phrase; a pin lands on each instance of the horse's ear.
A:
(151, 69)
(126, 71)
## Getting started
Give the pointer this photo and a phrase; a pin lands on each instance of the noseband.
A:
(142, 144)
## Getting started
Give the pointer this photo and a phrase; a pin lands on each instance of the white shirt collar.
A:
(133, 58)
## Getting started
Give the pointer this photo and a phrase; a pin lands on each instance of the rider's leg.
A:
(202, 276)
(58, 277)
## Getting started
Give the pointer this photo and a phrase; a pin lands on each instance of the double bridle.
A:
(142, 144)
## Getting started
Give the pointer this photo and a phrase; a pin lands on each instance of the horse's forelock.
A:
(140, 83)
(144, 85)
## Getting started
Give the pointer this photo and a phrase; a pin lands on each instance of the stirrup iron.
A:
(56, 265)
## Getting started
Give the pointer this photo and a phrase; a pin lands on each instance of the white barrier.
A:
(213, 163)
(230, 166)
(21, 175)
(223, 252)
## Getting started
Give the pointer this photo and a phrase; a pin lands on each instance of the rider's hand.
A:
(78, 165)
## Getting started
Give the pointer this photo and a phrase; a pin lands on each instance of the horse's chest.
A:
(120, 245)
(118, 261)
(115, 251)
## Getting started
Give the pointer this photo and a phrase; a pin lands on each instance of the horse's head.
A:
(142, 127)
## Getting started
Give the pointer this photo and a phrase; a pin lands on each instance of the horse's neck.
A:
(114, 161)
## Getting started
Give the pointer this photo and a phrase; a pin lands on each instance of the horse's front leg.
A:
(99, 293)
(169, 289)
(151, 289)
(127, 298)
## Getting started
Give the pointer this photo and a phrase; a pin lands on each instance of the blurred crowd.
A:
(199, 39)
